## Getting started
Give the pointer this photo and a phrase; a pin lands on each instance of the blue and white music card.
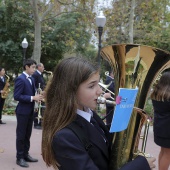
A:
(124, 106)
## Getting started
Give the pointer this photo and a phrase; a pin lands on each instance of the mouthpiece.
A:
(102, 100)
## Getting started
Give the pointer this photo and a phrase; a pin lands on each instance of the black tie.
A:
(96, 125)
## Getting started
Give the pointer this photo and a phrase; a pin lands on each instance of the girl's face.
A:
(88, 92)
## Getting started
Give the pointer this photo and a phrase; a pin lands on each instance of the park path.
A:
(7, 144)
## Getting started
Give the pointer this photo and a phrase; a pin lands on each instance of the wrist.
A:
(32, 98)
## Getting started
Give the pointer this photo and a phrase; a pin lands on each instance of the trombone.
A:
(104, 86)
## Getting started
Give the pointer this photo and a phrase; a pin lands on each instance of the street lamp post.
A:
(100, 22)
(24, 46)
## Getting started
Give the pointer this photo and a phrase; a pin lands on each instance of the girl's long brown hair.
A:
(61, 103)
(161, 91)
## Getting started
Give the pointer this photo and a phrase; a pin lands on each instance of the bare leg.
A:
(164, 158)
(159, 157)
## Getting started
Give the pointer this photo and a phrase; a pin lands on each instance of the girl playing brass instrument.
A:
(71, 99)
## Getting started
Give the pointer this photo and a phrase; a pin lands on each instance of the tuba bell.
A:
(133, 66)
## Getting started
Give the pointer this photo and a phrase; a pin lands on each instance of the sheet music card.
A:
(123, 110)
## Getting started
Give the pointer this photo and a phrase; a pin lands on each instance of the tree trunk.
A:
(38, 19)
(131, 21)
(37, 42)
(37, 32)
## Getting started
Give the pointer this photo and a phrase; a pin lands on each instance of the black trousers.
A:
(23, 132)
(2, 101)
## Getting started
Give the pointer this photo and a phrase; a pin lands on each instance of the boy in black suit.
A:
(39, 80)
(24, 93)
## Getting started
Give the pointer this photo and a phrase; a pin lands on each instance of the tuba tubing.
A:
(133, 65)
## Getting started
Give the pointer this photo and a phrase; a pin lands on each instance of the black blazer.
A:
(71, 154)
(161, 119)
(23, 91)
(38, 79)
(2, 84)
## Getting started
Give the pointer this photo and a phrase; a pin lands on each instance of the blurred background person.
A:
(161, 104)
(2, 85)
(39, 83)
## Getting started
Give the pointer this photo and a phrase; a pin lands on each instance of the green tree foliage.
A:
(47, 10)
(151, 22)
(68, 35)
(67, 28)
(15, 23)
(65, 33)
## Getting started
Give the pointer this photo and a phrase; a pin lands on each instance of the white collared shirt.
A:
(26, 74)
(2, 78)
(87, 114)
(29, 81)
(39, 72)
(27, 77)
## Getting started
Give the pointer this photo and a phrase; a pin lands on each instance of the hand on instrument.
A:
(42, 93)
(107, 95)
(151, 161)
(38, 97)
(3, 92)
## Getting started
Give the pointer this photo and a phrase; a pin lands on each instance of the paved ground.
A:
(7, 143)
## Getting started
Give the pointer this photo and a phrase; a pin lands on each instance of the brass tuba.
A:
(6, 88)
(133, 65)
